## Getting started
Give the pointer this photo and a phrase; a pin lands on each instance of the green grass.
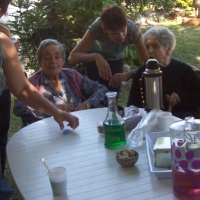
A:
(187, 50)
(188, 46)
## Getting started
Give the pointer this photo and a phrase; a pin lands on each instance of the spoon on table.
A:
(45, 165)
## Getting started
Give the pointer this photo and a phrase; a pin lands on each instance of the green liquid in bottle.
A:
(115, 133)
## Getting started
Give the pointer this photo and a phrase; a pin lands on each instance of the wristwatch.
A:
(87, 105)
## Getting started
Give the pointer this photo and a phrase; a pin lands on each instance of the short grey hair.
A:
(163, 34)
(47, 42)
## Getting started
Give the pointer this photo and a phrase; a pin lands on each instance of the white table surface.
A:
(92, 170)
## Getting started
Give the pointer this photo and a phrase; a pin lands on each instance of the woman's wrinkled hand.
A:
(173, 99)
(66, 107)
(103, 67)
(83, 106)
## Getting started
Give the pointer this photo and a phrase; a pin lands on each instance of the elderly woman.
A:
(180, 83)
(64, 87)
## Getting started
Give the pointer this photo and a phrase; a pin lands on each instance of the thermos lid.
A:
(152, 69)
(152, 64)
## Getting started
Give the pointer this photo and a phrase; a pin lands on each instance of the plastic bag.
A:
(147, 124)
(132, 117)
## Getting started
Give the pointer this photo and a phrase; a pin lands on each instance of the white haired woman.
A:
(179, 81)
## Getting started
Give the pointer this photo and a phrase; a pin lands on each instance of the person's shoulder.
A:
(5, 40)
(182, 67)
(97, 20)
(130, 21)
(4, 29)
(179, 63)
(132, 24)
(35, 76)
(70, 71)
(96, 23)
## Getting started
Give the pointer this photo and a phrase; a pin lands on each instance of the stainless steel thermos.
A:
(153, 85)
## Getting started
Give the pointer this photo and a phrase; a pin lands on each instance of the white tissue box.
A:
(162, 152)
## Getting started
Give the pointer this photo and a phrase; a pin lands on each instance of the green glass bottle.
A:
(113, 125)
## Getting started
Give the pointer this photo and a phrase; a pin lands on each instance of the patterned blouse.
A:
(94, 92)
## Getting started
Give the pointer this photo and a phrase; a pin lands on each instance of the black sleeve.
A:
(135, 91)
(190, 96)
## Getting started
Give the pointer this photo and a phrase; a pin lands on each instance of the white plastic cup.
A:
(58, 180)
(164, 120)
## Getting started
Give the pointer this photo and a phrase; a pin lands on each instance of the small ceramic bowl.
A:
(127, 158)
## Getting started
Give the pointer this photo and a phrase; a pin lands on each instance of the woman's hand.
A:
(83, 106)
(61, 116)
(103, 67)
(66, 107)
(173, 99)
(119, 77)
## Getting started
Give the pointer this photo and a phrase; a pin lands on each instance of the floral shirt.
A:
(94, 92)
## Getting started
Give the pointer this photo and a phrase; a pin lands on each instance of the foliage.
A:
(64, 20)
(132, 6)
(163, 5)
(67, 21)
(185, 4)
(138, 6)
(131, 56)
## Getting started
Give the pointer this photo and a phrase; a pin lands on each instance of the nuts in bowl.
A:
(127, 158)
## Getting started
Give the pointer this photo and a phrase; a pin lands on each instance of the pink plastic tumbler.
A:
(185, 151)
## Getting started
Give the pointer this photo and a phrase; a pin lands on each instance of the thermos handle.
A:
(141, 90)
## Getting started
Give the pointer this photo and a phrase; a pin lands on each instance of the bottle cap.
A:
(66, 131)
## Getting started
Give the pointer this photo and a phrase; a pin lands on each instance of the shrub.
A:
(63, 20)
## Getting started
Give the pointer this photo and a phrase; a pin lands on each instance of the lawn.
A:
(187, 50)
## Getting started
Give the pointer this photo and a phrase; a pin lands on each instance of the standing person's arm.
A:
(26, 92)
(5, 30)
(79, 54)
(140, 49)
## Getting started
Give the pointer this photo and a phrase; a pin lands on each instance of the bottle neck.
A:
(112, 104)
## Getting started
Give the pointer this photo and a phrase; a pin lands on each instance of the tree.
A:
(63, 20)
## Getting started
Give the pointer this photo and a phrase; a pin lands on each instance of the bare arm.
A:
(26, 92)
(79, 54)
(5, 30)
(141, 50)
